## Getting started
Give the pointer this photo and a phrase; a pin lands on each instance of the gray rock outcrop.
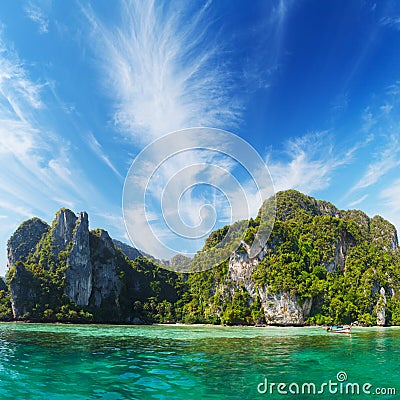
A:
(87, 261)
(279, 308)
(106, 283)
(63, 230)
(78, 275)
(22, 244)
(131, 252)
(381, 308)
(23, 296)
(283, 309)
(25, 239)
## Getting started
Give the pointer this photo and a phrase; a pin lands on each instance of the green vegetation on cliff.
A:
(320, 265)
(338, 261)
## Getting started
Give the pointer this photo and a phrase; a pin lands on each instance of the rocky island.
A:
(321, 265)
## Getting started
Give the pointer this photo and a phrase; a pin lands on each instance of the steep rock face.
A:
(326, 208)
(21, 244)
(279, 308)
(330, 239)
(77, 263)
(25, 239)
(131, 252)
(381, 308)
(24, 290)
(384, 233)
(78, 275)
(67, 271)
(340, 253)
(106, 282)
(63, 230)
(283, 309)
(241, 268)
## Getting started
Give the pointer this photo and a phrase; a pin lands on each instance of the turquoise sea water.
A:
(40, 361)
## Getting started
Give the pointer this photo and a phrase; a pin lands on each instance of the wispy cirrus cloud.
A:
(390, 203)
(394, 89)
(358, 201)
(16, 89)
(167, 67)
(263, 58)
(310, 162)
(381, 159)
(391, 195)
(163, 68)
(97, 148)
(380, 121)
(38, 171)
(35, 12)
(31, 153)
(385, 160)
(391, 21)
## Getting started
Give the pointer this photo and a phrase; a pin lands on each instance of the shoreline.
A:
(181, 324)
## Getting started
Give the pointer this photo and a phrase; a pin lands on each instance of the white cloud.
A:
(358, 201)
(39, 172)
(386, 108)
(311, 161)
(167, 67)
(17, 90)
(164, 69)
(36, 162)
(98, 150)
(385, 161)
(185, 184)
(36, 14)
(392, 22)
(369, 120)
(391, 204)
(394, 89)
(391, 195)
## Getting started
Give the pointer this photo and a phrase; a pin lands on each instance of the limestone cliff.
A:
(79, 271)
(85, 267)
(21, 244)
(23, 297)
(62, 230)
(320, 265)
(106, 282)
(67, 272)
(25, 239)
(129, 251)
(282, 308)
(381, 308)
(328, 237)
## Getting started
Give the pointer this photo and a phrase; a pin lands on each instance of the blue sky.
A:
(313, 85)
